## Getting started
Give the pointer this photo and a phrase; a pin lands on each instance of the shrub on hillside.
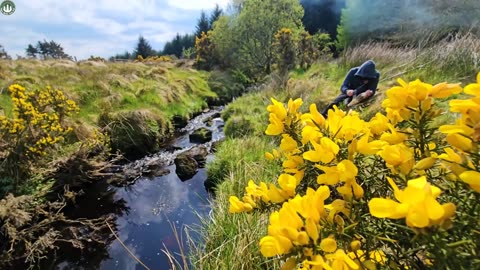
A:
(33, 128)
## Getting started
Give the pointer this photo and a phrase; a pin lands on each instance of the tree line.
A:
(247, 35)
(180, 46)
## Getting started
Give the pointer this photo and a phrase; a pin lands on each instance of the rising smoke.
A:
(370, 18)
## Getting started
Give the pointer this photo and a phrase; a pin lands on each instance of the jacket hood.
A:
(367, 70)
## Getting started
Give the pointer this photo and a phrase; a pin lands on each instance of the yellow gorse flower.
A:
(37, 121)
(417, 203)
(352, 157)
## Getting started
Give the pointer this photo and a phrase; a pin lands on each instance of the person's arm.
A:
(372, 85)
(348, 79)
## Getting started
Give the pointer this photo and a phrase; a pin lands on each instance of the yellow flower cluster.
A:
(464, 136)
(283, 32)
(346, 153)
(204, 48)
(37, 119)
(417, 203)
(414, 98)
(155, 58)
(263, 194)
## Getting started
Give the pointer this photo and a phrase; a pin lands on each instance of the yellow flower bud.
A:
(425, 163)
(355, 245)
(328, 245)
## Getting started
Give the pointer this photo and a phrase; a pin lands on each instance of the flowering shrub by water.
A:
(395, 192)
(34, 127)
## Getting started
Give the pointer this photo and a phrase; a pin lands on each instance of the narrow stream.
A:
(146, 210)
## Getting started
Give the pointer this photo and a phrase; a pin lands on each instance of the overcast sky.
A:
(100, 27)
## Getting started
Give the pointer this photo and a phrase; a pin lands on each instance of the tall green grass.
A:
(98, 86)
(225, 238)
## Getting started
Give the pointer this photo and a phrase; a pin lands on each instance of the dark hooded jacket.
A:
(355, 77)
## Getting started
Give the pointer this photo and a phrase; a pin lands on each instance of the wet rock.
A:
(186, 166)
(216, 115)
(179, 121)
(199, 153)
(155, 167)
(173, 148)
(201, 135)
(159, 172)
(209, 120)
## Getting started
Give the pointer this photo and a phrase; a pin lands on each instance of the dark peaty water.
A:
(145, 213)
(156, 206)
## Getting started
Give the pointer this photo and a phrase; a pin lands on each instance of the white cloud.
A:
(104, 27)
(198, 4)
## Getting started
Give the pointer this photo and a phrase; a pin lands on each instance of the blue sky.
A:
(101, 27)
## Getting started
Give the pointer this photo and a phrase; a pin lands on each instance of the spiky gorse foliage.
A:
(394, 192)
(205, 50)
(302, 49)
(155, 58)
(35, 126)
(284, 46)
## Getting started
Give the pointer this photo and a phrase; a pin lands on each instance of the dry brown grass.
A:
(384, 54)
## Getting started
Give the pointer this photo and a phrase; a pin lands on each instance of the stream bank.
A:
(146, 206)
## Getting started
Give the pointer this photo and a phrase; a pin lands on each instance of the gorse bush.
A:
(205, 49)
(284, 47)
(34, 127)
(395, 192)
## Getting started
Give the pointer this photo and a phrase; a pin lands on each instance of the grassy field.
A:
(231, 240)
(97, 86)
(134, 102)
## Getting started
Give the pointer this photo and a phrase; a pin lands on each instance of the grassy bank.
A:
(129, 99)
(232, 240)
(162, 88)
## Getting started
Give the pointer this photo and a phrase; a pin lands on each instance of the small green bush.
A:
(238, 126)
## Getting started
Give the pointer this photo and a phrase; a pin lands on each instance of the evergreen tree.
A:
(31, 51)
(125, 56)
(216, 13)
(203, 24)
(143, 48)
(56, 50)
(3, 53)
(50, 49)
(178, 44)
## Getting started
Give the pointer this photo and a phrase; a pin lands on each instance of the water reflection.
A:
(154, 206)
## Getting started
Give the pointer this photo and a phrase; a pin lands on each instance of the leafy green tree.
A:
(223, 36)
(252, 32)
(143, 48)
